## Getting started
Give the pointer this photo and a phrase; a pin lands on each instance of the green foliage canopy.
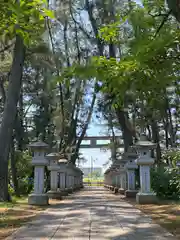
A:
(24, 17)
(147, 64)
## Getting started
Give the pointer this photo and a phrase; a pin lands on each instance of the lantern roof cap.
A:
(78, 169)
(71, 164)
(38, 144)
(107, 170)
(124, 158)
(52, 155)
(131, 152)
(62, 160)
(113, 167)
(144, 142)
(117, 161)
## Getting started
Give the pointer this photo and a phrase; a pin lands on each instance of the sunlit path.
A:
(92, 214)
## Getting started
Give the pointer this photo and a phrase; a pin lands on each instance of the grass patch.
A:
(15, 202)
(93, 182)
(165, 213)
(14, 214)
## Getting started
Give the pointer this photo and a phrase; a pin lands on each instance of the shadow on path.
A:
(92, 214)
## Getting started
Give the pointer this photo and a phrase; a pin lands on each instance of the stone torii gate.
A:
(93, 141)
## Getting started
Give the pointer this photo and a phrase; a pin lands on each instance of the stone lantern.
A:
(62, 162)
(71, 169)
(53, 168)
(38, 197)
(106, 183)
(116, 174)
(122, 172)
(77, 178)
(114, 171)
(131, 166)
(108, 179)
(144, 147)
(110, 173)
(70, 176)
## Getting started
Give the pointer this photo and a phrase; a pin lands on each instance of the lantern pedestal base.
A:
(115, 190)
(131, 193)
(38, 199)
(146, 198)
(64, 192)
(76, 188)
(70, 190)
(54, 194)
(122, 191)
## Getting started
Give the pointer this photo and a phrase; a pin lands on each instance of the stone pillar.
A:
(109, 178)
(63, 175)
(53, 168)
(145, 196)
(131, 191)
(131, 179)
(38, 179)
(62, 180)
(75, 182)
(70, 176)
(78, 183)
(114, 187)
(113, 176)
(123, 181)
(81, 179)
(54, 180)
(72, 182)
(105, 180)
(145, 178)
(77, 178)
(117, 180)
(39, 162)
(69, 181)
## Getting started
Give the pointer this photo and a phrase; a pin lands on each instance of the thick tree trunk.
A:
(9, 114)
(155, 136)
(14, 169)
(174, 7)
(171, 129)
(169, 123)
(166, 123)
(127, 130)
(21, 137)
(149, 132)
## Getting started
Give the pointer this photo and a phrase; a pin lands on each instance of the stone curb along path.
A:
(92, 214)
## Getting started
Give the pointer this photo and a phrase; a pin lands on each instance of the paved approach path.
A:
(92, 214)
